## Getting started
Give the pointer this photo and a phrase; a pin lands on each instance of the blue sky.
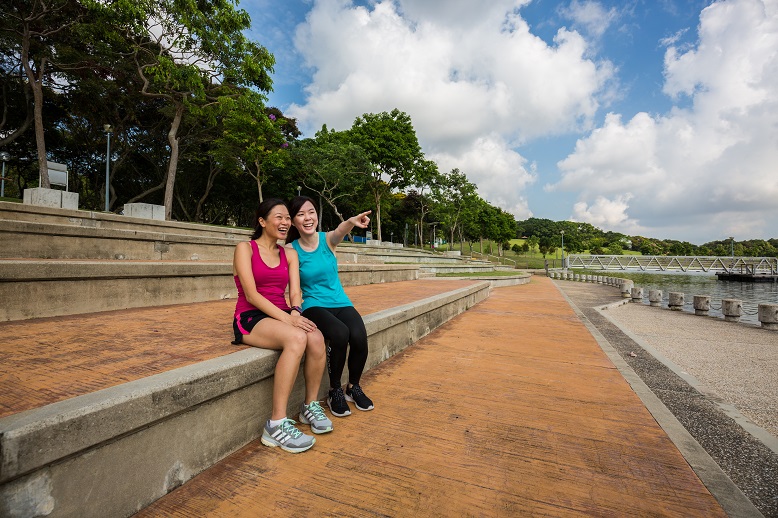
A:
(649, 117)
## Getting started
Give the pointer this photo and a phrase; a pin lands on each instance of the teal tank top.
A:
(319, 279)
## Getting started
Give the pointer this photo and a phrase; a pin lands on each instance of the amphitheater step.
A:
(46, 288)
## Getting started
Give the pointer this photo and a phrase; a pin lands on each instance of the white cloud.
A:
(706, 171)
(591, 16)
(499, 172)
(464, 73)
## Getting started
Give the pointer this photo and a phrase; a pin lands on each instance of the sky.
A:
(647, 117)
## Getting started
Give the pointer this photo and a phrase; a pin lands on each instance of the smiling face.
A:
(306, 219)
(277, 222)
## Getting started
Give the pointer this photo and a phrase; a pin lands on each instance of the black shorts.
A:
(245, 322)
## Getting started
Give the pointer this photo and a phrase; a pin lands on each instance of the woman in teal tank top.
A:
(326, 304)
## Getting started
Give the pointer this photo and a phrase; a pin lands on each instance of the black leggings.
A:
(343, 327)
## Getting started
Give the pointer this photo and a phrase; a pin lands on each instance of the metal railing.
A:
(663, 263)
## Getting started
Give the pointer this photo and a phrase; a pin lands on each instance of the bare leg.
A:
(315, 362)
(277, 335)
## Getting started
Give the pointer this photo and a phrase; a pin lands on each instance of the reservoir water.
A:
(751, 293)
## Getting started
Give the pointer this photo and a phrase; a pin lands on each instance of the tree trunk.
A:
(321, 208)
(172, 138)
(208, 186)
(36, 84)
(258, 178)
(145, 193)
(378, 213)
(13, 135)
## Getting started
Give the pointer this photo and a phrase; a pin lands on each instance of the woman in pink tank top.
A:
(263, 270)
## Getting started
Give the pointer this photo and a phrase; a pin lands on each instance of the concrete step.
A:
(45, 288)
(115, 450)
(46, 233)
(32, 240)
(108, 221)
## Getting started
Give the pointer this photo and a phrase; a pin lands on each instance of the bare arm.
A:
(334, 237)
(295, 292)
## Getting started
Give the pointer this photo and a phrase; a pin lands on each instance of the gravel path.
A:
(736, 362)
(733, 367)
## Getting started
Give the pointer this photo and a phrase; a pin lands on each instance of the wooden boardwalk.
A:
(511, 409)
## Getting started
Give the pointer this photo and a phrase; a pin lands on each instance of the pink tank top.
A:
(271, 282)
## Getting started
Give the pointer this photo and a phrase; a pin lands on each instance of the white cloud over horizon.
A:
(712, 164)
(480, 86)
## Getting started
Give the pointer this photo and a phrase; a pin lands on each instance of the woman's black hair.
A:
(262, 211)
(294, 207)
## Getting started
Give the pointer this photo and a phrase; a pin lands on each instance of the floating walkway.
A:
(663, 263)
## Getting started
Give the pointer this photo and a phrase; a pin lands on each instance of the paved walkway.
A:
(509, 409)
(690, 365)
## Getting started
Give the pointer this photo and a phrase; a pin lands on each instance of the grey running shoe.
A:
(287, 437)
(337, 403)
(313, 414)
(355, 395)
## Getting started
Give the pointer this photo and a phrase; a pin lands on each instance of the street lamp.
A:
(298, 190)
(5, 157)
(108, 130)
(563, 247)
(391, 237)
(434, 224)
(732, 246)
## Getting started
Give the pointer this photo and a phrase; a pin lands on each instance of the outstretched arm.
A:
(334, 237)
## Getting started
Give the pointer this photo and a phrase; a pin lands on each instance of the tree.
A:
(453, 194)
(391, 145)
(192, 54)
(38, 30)
(332, 167)
(533, 242)
(256, 136)
(425, 178)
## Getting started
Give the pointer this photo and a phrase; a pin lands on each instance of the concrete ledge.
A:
(35, 289)
(368, 256)
(359, 274)
(456, 268)
(144, 210)
(499, 281)
(149, 436)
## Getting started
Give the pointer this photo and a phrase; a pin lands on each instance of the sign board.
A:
(368, 235)
(58, 174)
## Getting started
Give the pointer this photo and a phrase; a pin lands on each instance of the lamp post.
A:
(391, 237)
(732, 246)
(5, 157)
(298, 190)
(434, 224)
(108, 130)
(563, 248)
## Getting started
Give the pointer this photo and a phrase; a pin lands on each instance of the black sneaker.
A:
(337, 403)
(355, 395)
